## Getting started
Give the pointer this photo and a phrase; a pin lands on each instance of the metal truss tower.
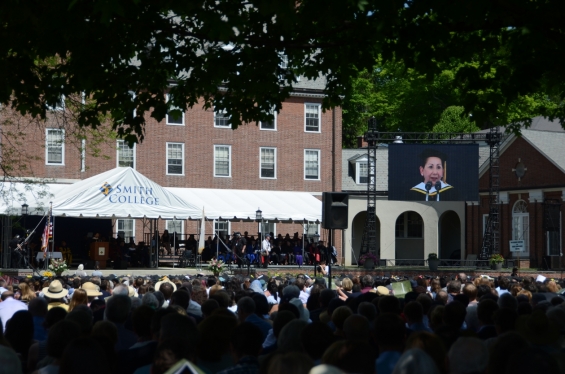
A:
(491, 238)
(369, 242)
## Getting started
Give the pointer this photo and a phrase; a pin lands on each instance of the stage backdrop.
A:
(433, 172)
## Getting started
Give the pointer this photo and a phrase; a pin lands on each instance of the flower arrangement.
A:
(432, 256)
(216, 266)
(47, 274)
(58, 266)
(496, 259)
(367, 256)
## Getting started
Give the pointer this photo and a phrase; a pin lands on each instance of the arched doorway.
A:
(449, 236)
(409, 236)
(357, 231)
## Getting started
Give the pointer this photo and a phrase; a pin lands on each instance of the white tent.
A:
(121, 193)
(242, 204)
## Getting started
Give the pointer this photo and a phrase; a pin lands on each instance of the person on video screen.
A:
(433, 170)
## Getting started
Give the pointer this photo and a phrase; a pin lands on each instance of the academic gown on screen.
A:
(421, 188)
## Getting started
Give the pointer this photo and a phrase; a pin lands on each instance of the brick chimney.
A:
(361, 142)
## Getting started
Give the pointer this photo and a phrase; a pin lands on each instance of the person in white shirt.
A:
(266, 250)
(9, 306)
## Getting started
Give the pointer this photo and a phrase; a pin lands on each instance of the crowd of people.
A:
(269, 250)
(293, 324)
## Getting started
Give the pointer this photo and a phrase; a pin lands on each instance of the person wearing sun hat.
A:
(92, 291)
(55, 294)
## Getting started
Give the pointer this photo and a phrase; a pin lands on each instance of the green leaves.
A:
(499, 53)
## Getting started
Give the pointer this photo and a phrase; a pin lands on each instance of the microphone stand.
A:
(428, 188)
(438, 188)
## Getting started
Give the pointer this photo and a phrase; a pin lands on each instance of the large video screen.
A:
(433, 172)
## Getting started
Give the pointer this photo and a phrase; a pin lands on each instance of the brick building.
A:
(299, 151)
(532, 190)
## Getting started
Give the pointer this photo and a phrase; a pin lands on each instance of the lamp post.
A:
(259, 218)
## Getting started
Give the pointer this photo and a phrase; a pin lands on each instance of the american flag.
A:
(47, 234)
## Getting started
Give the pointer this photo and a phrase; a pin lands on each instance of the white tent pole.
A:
(217, 240)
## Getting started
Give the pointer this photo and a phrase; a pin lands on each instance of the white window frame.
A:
(47, 146)
(167, 116)
(309, 225)
(222, 221)
(118, 142)
(283, 61)
(132, 94)
(485, 222)
(319, 164)
(83, 155)
(122, 222)
(228, 126)
(358, 170)
(172, 229)
(59, 106)
(319, 109)
(261, 162)
(263, 228)
(229, 160)
(274, 113)
(167, 159)
(521, 225)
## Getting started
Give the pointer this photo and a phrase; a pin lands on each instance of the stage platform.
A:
(338, 271)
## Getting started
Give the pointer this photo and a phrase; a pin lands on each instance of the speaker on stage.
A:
(120, 265)
(335, 210)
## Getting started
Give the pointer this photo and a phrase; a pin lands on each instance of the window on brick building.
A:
(311, 229)
(312, 164)
(268, 163)
(175, 159)
(521, 225)
(312, 117)
(83, 155)
(221, 119)
(269, 125)
(125, 228)
(222, 161)
(283, 63)
(175, 118)
(222, 227)
(57, 105)
(267, 227)
(409, 225)
(125, 154)
(55, 147)
(175, 225)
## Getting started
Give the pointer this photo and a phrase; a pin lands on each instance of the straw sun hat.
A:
(55, 290)
(91, 289)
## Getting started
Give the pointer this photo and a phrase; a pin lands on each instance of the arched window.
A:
(409, 225)
(521, 225)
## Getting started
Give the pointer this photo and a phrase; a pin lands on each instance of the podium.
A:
(99, 253)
